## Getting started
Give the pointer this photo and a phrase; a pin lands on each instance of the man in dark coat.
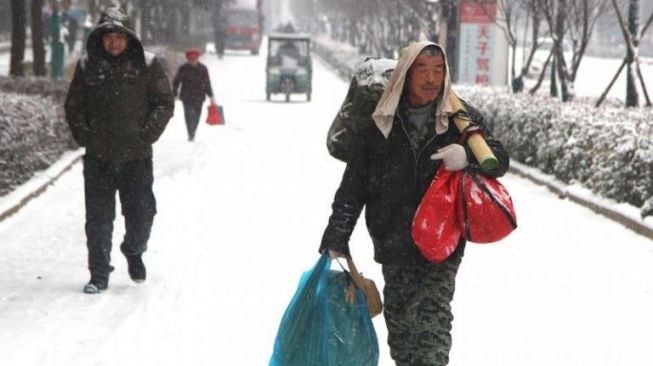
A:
(118, 105)
(195, 83)
(392, 161)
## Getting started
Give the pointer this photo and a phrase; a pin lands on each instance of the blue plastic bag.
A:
(319, 327)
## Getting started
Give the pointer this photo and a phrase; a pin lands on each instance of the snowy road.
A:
(241, 213)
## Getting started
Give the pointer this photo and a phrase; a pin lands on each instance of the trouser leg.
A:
(192, 112)
(138, 204)
(100, 201)
(418, 313)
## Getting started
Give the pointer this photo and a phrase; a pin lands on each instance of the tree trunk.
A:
(632, 94)
(18, 34)
(643, 84)
(560, 62)
(537, 85)
(553, 86)
(38, 48)
(607, 90)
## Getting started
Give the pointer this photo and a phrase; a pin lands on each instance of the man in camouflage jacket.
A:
(118, 105)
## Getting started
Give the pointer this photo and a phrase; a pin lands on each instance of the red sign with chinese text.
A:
(475, 11)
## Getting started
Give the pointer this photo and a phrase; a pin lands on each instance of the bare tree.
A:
(535, 16)
(508, 10)
(18, 35)
(38, 47)
(632, 95)
(535, 9)
(540, 78)
(377, 27)
(632, 35)
(582, 20)
(566, 84)
(555, 14)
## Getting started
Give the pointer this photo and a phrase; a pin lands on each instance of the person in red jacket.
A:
(193, 77)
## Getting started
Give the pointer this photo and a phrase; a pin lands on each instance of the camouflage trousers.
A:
(418, 313)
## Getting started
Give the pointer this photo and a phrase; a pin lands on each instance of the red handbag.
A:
(435, 226)
(485, 210)
(215, 115)
(461, 204)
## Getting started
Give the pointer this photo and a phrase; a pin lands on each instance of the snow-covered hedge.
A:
(608, 150)
(33, 132)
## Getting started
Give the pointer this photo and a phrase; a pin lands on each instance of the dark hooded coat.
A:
(195, 83)
(118, 106)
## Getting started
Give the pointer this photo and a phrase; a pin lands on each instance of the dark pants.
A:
(417, 311)
(192, 112)
(133, 181)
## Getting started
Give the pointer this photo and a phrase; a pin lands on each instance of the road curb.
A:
(39, 183)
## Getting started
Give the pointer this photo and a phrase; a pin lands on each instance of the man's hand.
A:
(453, 156)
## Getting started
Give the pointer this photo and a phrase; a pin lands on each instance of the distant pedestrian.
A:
(193, 77)
(118, 105)
(58, 33)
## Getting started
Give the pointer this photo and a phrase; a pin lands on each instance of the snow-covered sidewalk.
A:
(241, 213)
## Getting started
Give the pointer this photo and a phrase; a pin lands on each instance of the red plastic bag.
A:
(461, 204)
(435, 225)
(485, 210)
(215, 115)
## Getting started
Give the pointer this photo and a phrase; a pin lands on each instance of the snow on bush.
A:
(33, 132)
(36, 87)
(608, 150)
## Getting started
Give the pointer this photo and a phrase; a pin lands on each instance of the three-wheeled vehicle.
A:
(289, 68)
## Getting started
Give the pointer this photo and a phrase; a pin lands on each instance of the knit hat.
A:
(193, 53)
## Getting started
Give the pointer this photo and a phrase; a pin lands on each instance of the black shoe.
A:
(136, 268)
(96, 284)
(135, 265)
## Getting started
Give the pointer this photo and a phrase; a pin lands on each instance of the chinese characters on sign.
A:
(483, 52)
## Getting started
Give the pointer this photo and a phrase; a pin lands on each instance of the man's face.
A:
(193, 59)
(425, 79)
(115, 42)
